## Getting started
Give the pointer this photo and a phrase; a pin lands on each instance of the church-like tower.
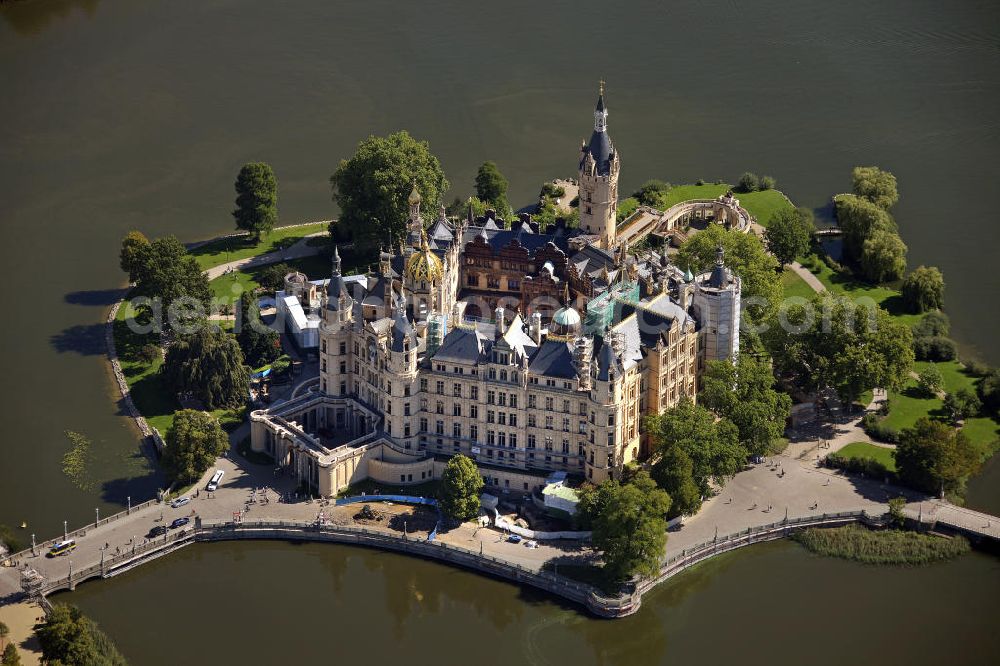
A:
(599, 167)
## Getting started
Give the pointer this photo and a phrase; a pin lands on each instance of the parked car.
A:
(531, 544)
(180, 522)
(216, 479)
(159, 530)
(513, 538)
(180, 501)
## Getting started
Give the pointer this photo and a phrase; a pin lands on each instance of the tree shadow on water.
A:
(83, 339)
(94, 297)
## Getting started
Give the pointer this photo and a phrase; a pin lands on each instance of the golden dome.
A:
(424, 265)
(414, 195)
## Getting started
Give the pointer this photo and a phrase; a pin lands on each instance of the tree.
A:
(876, 185)
(989, 391)
(10, 656)
(256, 199)
(625, 208)
(859, 219)
(674, 472)
(68, 638)
(934, 457)
(461, 484)
(272, 278)
(833, 342)
(748, 182)
(896, 506)
(767, 183)
(4, 632)
(491, 185)
(259, 343)
(789, 234)
(133, 254)
(712, 445)
(630, 526)
(744, 393)
(962, 404)
(166, 271)
(208, 364)
(653, 193)
(883, 257)
(923, 290)
(373, 186)
(930, 380)
(193, 443)
(746, 256)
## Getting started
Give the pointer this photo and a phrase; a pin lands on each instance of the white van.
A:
(216, 478)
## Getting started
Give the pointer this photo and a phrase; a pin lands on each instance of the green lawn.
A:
(887, 298)
(866, 450)
(761, 205)
(983, 432)
(793, 285)
(910, 404)
(224, 250)
(952, 372)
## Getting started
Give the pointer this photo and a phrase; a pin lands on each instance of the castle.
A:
(529, 351)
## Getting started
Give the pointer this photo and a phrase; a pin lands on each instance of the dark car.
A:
(180, 522)
(159, 530)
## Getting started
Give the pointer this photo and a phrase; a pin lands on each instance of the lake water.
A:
(123, 115)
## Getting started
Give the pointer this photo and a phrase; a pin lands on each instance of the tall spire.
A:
(336, 261)
(601, 112)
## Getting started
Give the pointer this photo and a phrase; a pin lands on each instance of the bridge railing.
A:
(81, 531)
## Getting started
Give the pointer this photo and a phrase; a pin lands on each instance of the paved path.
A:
(807, 276)
(298, 250)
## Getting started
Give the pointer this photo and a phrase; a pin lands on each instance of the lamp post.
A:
(97, 515)
(33, 553)
(65, 533)
(128, 501)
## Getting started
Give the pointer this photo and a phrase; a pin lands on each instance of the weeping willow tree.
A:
(208, 364)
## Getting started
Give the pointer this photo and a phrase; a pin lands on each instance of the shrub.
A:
(699, 182)
(149, 353)
(878, 431)
(748, 182)
(976, 368)
(272, 278)
(934, 348)
(931, 324)
(962, 404)
(767, 183)
(866, 466)
(930, 381)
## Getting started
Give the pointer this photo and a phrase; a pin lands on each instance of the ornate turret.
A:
(566, 322)
(337, 296)
(415, 224)
(599, 167)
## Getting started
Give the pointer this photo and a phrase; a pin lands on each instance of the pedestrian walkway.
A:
(299, 250)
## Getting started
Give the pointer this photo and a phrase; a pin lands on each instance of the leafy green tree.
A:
(373, 186)
(883, 257)
(491, 185)
(193, 443)
(876, 185)
(626, 207)
(859, 219)
(133, 254)
(748, 182)
(712, 445)
(256, 199)
(674, 472)
(833, 342)
(461, 485)
(653, 193)
(923, 290)
(896, 506)
(767, 183)
(10, 656)
(789, 234)
(272, 278)
(962, 404)
(4, 632)
(744, 393)
(933, 457)
(989, 391)
(746, 256)
(208, 364)
(68, 638)
(260, 344)
(167, 272)
(930, 380)
(630, 528)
